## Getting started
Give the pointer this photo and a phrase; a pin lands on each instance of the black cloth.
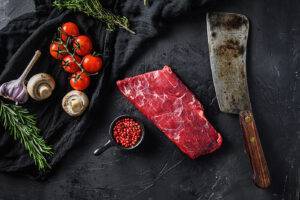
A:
(22, 36)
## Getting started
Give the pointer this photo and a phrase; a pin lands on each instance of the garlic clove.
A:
(40, 86)
(75, 103)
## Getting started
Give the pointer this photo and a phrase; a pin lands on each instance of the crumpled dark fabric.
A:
(22, 36)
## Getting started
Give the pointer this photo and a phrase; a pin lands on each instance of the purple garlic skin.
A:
(14, 90)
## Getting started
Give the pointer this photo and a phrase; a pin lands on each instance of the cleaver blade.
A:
(227, 40)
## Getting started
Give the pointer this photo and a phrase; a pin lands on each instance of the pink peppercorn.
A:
(127, 132)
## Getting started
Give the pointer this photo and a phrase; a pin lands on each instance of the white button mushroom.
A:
(75, 102)
(40, 86)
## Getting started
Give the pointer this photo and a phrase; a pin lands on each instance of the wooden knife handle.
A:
(261, 175)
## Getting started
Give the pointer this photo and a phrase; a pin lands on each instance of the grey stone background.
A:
(10, 9)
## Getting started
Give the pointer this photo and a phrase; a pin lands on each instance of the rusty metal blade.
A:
(227, 41)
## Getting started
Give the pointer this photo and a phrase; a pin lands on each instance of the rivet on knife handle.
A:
(261, 175)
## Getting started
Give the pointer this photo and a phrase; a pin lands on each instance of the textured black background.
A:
(159, 170)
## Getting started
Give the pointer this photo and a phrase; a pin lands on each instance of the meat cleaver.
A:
(227, 40)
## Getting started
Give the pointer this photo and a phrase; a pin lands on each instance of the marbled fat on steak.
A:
(171, 106)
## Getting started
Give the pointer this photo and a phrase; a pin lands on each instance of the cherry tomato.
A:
(63, 36)
(92, 64)
(69, 64)
(69, 29)
(82, 45)
(80, 81)
(57, 50)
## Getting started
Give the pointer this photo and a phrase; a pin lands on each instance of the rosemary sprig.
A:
(95, 9)
(21, 125)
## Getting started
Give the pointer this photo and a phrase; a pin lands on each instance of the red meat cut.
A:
(171, 106)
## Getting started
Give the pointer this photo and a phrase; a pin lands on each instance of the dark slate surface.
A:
(159, 170)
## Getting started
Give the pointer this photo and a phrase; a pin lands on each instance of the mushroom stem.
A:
(44, 90)
(76, 105)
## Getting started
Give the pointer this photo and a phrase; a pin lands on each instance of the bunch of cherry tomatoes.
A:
(76, 56)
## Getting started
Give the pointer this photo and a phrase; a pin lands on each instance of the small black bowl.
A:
(112, 141)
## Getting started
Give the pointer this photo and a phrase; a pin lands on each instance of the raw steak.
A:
(172, 107)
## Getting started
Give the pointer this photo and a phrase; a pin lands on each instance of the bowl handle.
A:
(103, 148)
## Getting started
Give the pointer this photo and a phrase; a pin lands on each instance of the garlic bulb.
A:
(15, 90)
(40, 86)
(75, 102)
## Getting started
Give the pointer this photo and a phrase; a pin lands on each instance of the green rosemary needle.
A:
(95, 9)
(21, 125)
